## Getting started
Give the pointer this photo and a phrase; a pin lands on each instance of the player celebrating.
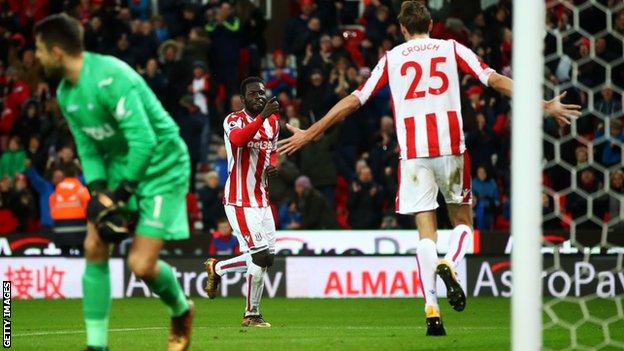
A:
(423, 78)
(250, 140)
(127, 142)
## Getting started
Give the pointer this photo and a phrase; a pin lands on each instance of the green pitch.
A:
(298, 324)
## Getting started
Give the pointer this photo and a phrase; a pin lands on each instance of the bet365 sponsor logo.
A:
(263, 145)
(572, 278)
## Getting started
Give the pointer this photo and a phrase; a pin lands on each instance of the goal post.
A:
(526, 180)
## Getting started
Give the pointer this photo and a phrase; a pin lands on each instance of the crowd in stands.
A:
(194, 55)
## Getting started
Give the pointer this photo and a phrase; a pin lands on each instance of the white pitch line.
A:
(122, 330)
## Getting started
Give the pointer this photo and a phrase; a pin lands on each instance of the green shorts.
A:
(163, 216)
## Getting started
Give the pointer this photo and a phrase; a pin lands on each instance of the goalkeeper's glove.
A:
(102, 210)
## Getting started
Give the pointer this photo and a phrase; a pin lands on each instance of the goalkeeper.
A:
(135, 164)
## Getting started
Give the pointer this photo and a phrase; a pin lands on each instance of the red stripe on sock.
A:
(232, 265)
(461, 241)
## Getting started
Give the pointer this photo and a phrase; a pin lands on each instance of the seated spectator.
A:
(612, 151)
(280, 78)
(68, 208)
(124, 52)
(577, 202)
(36, 154)
(364, 201)
(317, 161)
(289, 216)
(223, 243)
(8, 221)
(197, 47)
(548, 208)
(211, 197)
(315, 211)
(485, 190)
(606, 103)
(13, 159)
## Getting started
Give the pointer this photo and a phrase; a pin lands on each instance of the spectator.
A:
(317, 161)
(390, 222)
(29, 69)
(30, 122)
(123, 51)
(96, 39)
(160, 28)
(192, 122)
(211, 196)
(64, 158)
(155, 79)
(24, 208)
(16, 91)
(175, 73)
(144, 42)
(12, 160)
(197, 47)
(317, 99)
(223, 242)
(377, 22)
(289, 216)
(576, 203)
(68, 206)
(606, 104)
(201, 86)
(482, 144)
(485, 190)
(297, 25)
(8, 221)
(281, 187)
(220, 165)
(36, 154)
(280, 78)
(548, 209)
(612, 151)
(364, 202)
(224, 33)
(44, 189)
(315, 211)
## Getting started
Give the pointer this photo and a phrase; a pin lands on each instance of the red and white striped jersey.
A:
(247, 185)
(424, 85)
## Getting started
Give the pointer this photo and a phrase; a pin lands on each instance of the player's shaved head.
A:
(415, 17)
(62, 31)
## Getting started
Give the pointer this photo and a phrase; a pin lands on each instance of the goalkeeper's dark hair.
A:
(61, 30)
(249, 80)
(415, 17)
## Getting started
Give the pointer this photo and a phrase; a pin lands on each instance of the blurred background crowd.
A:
(193, 54)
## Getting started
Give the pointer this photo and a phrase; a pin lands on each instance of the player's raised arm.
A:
(344, 107)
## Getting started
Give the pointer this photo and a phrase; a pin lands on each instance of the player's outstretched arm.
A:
(562, 113)
(302, 137)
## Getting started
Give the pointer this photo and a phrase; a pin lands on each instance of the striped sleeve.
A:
(470, 63)
(376, 81)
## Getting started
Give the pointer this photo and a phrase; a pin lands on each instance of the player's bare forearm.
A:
(339, 112)
(554, 108)
(501, 83)
(300, 137)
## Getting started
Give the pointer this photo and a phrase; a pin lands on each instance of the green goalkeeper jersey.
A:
(121, 129)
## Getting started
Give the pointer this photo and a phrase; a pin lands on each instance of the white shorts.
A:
(421, 178)
(254, 227)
